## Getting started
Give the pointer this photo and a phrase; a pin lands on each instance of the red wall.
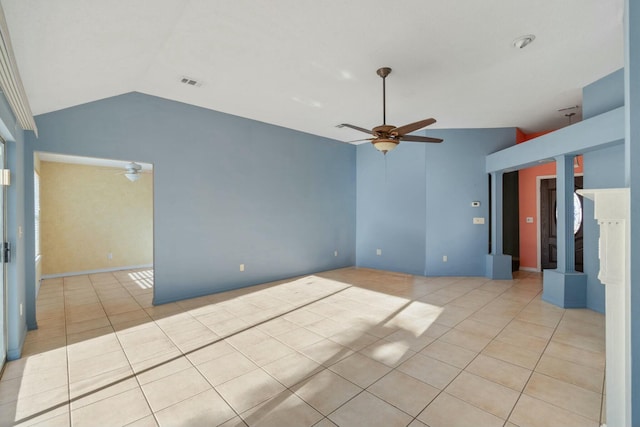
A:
(527, 182)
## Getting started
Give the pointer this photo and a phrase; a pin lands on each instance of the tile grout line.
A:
(379, 338)
(476, 356)
(239, 414)
(69, 399)
(321, 366)
(534, 371)
(183, 354)
(395, 368)
(324, 368)
(463, 369)
(537, 362)
(133, 372)
(66, 345)
(603, 409)
(222, 338)
(365, 389)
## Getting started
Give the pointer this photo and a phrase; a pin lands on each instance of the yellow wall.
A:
(87, 212)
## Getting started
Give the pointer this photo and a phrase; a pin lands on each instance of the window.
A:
(577, 213)
(36, 205)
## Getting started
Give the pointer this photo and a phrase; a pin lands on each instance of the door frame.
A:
(3, 267)
(538, 227)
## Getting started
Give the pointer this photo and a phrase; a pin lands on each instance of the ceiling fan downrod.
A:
(384, 72)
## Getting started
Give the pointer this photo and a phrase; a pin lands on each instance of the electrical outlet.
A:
(20, 309)
(335, 253)
(478, 220)
(241, 267)
(110, 255)
(444, 258)
(378, 252)
(529, 220)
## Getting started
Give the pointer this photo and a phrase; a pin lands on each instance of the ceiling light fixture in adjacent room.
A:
(132, 171)
(133, 177)
(524, 41)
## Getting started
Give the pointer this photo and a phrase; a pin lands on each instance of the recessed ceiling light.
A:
(523, 41)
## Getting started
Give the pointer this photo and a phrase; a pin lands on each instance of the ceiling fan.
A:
(387, 137)
(132, 171)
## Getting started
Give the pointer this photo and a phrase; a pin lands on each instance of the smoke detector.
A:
(523, 41)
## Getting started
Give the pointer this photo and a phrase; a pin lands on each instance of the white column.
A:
(632, 180)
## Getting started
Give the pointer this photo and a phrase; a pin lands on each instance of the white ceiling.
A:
(310, 65)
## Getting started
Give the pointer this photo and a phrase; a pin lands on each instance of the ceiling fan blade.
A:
(417, 138)
(359, 140)
(357, 128)
(412, 127)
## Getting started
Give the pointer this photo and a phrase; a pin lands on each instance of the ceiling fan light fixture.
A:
(385, 144)
(133, 177)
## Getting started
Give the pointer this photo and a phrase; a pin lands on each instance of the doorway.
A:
(510, 218)
(92, 215)
(549, 222)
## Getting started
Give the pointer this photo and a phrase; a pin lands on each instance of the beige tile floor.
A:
(350, 347)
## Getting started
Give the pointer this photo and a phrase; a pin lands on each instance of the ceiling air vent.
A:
(190, 81)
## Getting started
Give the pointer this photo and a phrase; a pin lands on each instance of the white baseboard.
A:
(531, 269)
(103, 270)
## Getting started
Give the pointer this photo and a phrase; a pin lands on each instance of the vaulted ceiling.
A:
(310, 65)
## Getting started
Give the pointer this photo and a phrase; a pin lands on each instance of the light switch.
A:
(378, 251)
(529, 220)
(475, 204)
(477, 220)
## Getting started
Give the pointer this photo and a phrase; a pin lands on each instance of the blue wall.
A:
(603, 95)
(16, 291)
(602, 169)
(391, 208)
(227, 190)
(415, 203)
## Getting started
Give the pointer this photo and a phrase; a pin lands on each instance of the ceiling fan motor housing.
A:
(383, 130)
(133, 167)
